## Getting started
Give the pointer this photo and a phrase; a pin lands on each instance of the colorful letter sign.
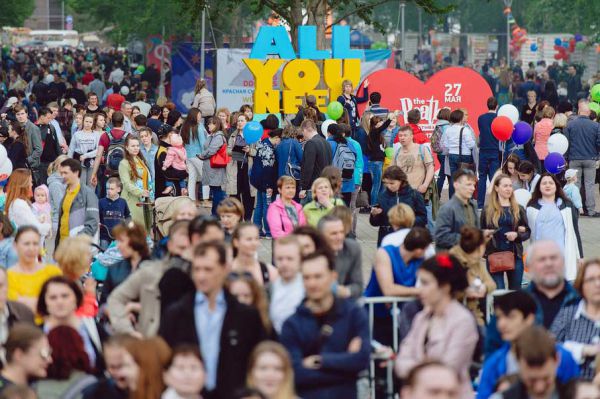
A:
(301, 76)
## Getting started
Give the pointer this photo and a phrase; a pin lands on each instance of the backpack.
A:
(436, 138)
(345, 160)
(115, 153)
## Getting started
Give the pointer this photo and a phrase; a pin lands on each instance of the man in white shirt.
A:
(142, 104)
(61, 138)
(287, 292)
(117, 75)
(127, 109)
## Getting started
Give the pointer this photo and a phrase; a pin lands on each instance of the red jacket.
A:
(419, 136)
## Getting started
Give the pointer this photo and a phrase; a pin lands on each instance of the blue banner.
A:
(185, 61)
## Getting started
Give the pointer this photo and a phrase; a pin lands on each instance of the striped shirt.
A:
(575, 329)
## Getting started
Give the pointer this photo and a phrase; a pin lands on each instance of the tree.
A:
(314, 12)
(14, 13)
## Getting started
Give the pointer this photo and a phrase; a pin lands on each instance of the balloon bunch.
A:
(507, 126)
(519, 37)
(595, 97)
(335, 110)
(564, 48)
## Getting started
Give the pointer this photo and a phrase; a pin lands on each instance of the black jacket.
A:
(16, 153)
(317, 155)
(242, 330)
(518, 391)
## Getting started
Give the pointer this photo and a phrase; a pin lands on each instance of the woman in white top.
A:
(84, 146)
(18, 203)
(458, 149)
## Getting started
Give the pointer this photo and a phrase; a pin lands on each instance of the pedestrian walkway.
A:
(367, 237)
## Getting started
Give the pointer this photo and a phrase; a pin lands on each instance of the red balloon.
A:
(502, 128)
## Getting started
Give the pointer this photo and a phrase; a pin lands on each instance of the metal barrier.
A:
(370, 303)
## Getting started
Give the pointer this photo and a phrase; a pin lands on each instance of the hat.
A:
(11, 101)
(570, 173)
(124, 90)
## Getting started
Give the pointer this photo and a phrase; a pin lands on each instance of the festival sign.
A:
(453, 87)
(301, 75)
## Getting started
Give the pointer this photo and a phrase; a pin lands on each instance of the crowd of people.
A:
(132, 242)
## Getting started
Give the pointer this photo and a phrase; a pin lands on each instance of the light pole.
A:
(402, 36)
(202, 44)
(507, 11)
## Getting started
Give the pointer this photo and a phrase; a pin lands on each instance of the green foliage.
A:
(15, 12)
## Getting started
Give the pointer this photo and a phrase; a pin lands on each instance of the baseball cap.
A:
(570, 173)
(11, 101)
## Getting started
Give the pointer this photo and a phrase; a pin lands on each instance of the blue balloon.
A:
(253, 131)
(533, 47)
(565, 44)
(522, 133)
(555, 163)
(558, 41)
(578, 37)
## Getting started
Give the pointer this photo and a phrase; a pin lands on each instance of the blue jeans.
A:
(441, 173)
(375, 169)
(454, 161)
(515, 277)
(488, 165)
(260, 212)
(218, 195)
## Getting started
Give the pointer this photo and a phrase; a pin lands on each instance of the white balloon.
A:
(558, 142)
(510, 111)
(522, 196)
(5, 169)
(3, 154)
(325, 125)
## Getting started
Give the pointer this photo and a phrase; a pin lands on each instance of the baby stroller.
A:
(164, 208)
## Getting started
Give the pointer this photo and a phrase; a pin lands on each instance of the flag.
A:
(185, 60)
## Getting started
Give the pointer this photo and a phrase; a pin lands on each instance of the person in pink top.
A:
(284, 214)
(541, 133)
(176, 159)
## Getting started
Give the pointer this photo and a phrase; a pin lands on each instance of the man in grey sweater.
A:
(34, 139)
(459, 211)
(348, 257)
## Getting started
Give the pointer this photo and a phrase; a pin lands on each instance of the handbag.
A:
(220, 159)
(362, 199)
(503, 261)
(463, 165)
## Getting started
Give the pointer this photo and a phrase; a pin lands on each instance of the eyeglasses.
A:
(239, 275)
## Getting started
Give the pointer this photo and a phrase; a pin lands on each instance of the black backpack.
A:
(115, 153)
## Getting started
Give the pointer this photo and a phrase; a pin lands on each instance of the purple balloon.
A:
(554, 163)
(522, 133)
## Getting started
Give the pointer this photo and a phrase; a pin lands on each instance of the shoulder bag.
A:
(220, 159)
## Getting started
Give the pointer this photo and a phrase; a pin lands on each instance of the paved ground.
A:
(367, 236)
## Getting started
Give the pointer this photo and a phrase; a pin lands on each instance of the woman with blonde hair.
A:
(203, 99)
(508, 221)
(19, 191)
(350, 101)
(223, 114)
(74, 258)
(247, 291)
(560, 122)
(137, 181)
(270, 371)
(323, 201)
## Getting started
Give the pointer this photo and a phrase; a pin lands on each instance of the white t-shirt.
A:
(285, 298)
